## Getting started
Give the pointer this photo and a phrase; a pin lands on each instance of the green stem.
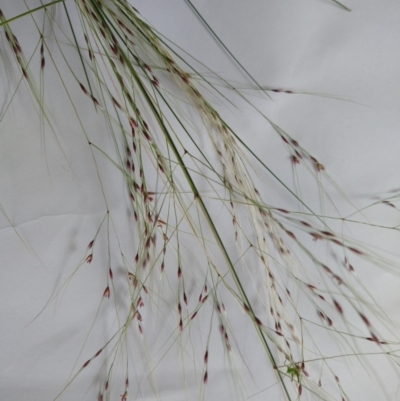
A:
(31, 12)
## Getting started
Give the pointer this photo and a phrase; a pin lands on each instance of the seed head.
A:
(106, 293)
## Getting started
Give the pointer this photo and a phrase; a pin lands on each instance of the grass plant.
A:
(217, 289)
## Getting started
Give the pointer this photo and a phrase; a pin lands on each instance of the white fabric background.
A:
(305, 46)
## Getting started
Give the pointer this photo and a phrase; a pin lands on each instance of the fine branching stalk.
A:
(217, 286)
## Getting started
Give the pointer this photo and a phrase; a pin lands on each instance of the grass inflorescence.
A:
(211, 263)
